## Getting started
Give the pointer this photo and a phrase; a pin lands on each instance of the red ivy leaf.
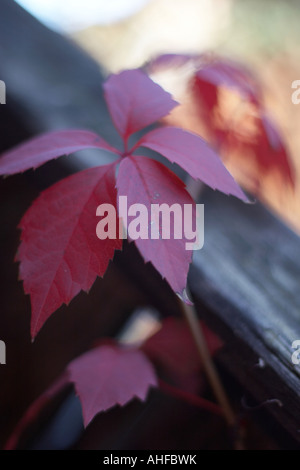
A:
(39, 150)
(271, 150)
(147, 182)
(169, 61)
(106, 376)
(267, 148)
(109, 375)
(173, 349)
(173, 345)
(135, 101)
(194, 155)
(206, 77)
(60, 253)
(229, 74)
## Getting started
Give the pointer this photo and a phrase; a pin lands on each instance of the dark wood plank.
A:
(247, 275)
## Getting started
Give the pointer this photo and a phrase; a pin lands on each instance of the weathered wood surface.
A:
(246, 278)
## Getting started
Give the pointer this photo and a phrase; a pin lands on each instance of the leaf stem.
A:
(190, 315)
(190, 398)
(209, 367)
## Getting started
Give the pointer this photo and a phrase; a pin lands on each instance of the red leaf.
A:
(265, 145)
(194, 155)
(173, 349)
(39, 150)
(60, 253)
(103, 377)
(135, 101)
(228, 132)
(223, 116)
(190, 398)
(147, 182)
(232, 75)
(167, 61)
(109, 375)
(271, 150)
